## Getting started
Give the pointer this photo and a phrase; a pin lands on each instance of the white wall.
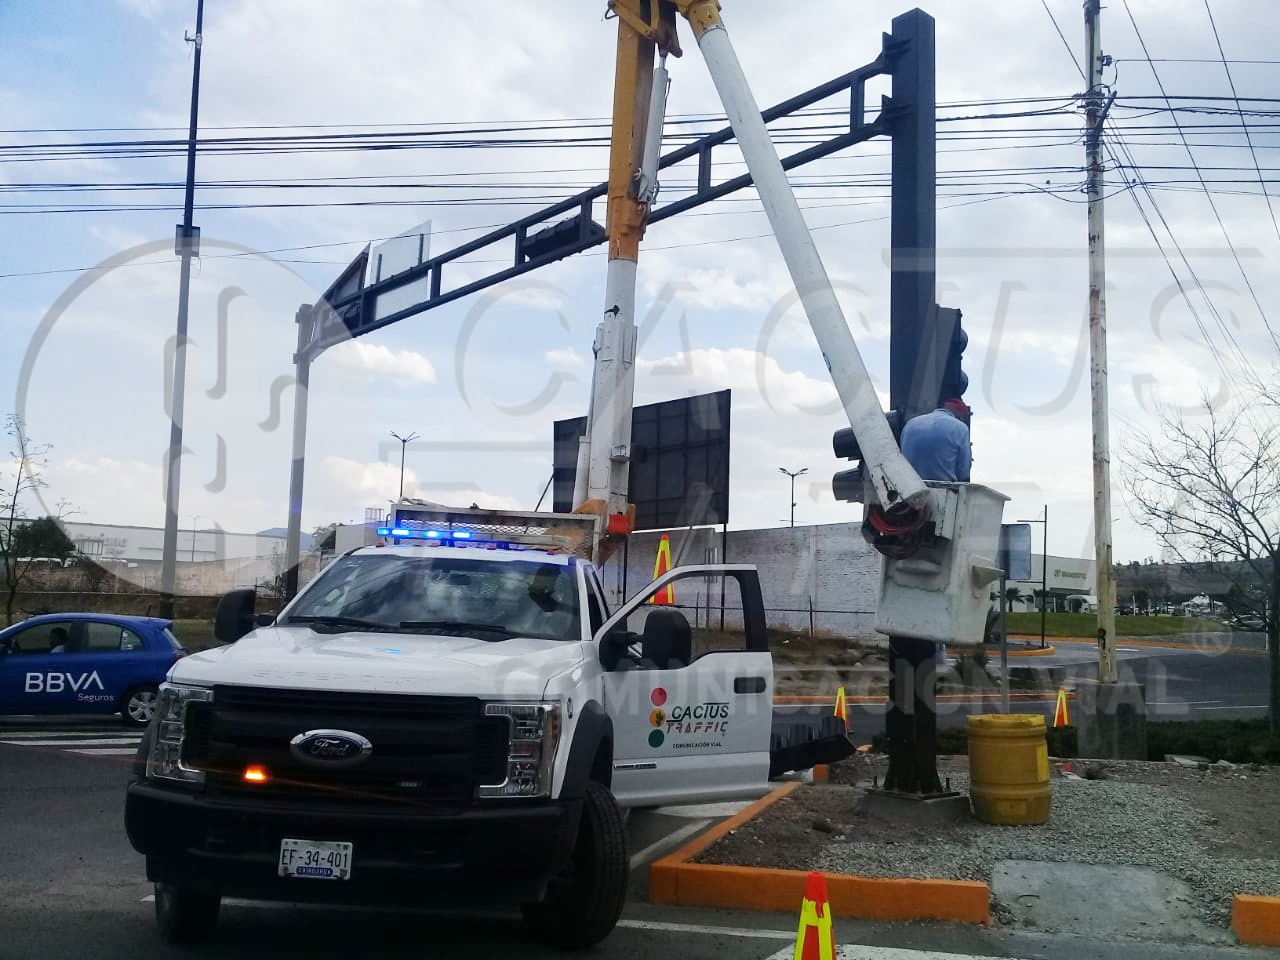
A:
(829, 564)
(145, 545)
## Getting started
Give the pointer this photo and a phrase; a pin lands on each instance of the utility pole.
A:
(1096, 105)
(800, 472)
(404, 442)
(187, 244)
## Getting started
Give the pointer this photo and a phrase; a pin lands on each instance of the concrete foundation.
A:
(1110, 720)
(916, 809)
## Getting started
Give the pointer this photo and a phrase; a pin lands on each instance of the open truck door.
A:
(689, 686)
(691, 705)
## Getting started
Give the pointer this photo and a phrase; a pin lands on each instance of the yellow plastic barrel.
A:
(1009, 768)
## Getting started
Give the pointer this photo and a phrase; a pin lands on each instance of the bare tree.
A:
(20, 478)
(1208, 486)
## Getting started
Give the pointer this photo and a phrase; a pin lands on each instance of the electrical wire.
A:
(1240, 356)
(1071, 52)
(1245, 126)
(1213, 205)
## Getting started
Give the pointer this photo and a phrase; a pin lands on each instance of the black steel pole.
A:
(173, 458)
(1044, 576)
(306, 319)
(917, 346)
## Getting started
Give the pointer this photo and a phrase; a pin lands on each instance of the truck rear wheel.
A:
(583, 904)
(186, 916)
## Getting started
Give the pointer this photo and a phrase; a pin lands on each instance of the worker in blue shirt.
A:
(936, 444)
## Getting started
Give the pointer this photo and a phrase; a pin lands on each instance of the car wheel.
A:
(583, 904)
(185, 916)
(138, 705)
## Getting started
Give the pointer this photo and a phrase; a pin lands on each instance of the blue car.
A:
(86, 663)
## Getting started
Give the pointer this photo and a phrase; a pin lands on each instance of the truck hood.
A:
(301, 658)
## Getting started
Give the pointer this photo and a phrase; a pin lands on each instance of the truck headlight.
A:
(164, 762)
(531, 748)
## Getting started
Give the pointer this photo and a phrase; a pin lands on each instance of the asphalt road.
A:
(74, 889)
(1182, 683)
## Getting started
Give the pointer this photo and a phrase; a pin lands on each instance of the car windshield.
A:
(491, 599)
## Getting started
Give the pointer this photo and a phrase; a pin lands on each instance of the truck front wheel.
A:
(583, 904)
(185, 916)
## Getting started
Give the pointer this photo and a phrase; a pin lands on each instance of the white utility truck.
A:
(457, 714)
(453, 715)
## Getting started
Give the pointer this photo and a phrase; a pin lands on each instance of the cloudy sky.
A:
(462, 92)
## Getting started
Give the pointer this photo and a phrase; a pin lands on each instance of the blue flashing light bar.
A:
(405, 533)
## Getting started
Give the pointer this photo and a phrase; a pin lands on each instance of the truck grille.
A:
(429, 752)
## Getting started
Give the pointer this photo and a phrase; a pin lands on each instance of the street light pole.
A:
(404, 442)
(188, 245)
(194, 517)
(793, 475)
(1044, 573)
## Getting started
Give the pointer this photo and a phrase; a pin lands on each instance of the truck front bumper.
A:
(503, 852)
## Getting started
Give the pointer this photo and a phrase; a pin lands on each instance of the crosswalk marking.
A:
(108, 752)
(82, 741)
(12, 736)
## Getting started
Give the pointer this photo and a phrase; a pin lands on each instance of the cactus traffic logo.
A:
(683, 721)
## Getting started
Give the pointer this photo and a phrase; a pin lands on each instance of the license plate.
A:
(315, 859)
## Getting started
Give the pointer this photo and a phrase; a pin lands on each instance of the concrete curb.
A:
(798, 700)
(1256, 920)
(1046, 651)
(1123, 641)
(674, 881)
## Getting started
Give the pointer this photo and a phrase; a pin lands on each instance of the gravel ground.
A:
(1218, 830)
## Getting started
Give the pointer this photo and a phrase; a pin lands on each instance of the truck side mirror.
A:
(235, 615)
(613, 647)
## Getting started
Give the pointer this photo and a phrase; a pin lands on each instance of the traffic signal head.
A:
(954, 380)
(850, 485)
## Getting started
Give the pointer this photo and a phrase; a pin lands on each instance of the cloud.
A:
(103, 490)
(403, 366)
(352, 482)
(568, 357)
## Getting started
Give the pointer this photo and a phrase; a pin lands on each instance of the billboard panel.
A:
(679, 462)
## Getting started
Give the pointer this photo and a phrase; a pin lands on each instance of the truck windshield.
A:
(439, 594)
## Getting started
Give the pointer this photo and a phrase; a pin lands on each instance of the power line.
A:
(1244, 125)
(1071, 52)
(605, 122)
(1195, 314)
(1270, 63)
(1212, 205)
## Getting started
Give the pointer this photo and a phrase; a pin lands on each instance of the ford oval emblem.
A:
(330, 748)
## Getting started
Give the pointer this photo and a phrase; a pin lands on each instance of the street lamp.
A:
(404, 442)
(793, 476)
(194, 517)
(1044, 572)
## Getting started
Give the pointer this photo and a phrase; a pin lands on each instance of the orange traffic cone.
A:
(1061, 718)
(660, 566)
(815, 940)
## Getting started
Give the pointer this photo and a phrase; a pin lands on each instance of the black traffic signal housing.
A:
(954, 380)
(850, 485)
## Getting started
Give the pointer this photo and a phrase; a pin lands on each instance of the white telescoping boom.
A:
(639, 102)
(942, 539)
